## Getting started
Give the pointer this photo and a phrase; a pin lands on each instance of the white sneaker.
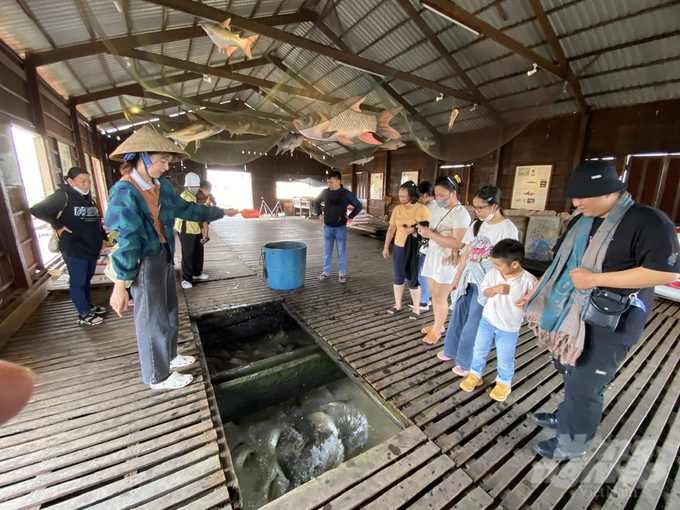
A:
(174, 382)
(186, 284)
(202, 276)
(182, 361)
(424, 307)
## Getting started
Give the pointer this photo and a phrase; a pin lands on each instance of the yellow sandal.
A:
(431, 339)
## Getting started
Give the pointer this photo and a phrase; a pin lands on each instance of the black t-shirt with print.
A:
(645, 238)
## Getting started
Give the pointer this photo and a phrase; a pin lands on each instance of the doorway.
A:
(232, 188)
(654, 180)
(37, 181)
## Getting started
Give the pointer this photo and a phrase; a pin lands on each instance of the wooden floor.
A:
(94, 435)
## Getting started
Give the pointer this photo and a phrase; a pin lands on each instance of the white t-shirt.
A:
(481, 244)
(432, 206)
(500, 310)
(437, 263)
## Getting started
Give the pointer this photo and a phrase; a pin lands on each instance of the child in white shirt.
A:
(503, 286)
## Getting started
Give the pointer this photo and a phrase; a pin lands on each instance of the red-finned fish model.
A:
(345, 120)
(226, 40)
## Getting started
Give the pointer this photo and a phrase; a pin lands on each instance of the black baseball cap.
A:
(593, 179)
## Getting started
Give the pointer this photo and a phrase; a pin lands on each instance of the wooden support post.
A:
(75, 124)
(662, 181)
(578, 149)
(497, 165)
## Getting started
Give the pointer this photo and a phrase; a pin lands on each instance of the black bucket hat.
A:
(593, 179)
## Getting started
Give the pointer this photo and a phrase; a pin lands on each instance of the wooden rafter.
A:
(129, 42)
(225, 73)
(429, 34)
(555, 45)
(217, 15)
(463, 17)
(137, 90)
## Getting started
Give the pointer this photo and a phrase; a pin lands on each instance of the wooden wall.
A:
(31, 105)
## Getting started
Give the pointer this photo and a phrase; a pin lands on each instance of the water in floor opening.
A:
(286, 445)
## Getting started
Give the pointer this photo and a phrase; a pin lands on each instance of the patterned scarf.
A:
(554, 311)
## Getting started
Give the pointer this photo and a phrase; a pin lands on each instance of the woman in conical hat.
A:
(142, 208)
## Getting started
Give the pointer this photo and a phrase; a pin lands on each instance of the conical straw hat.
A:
(148, 140)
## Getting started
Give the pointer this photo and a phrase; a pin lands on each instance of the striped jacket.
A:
(129, 215)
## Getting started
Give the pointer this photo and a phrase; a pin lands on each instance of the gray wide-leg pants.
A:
(156, 315)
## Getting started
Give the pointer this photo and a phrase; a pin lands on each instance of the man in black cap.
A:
(613, 244)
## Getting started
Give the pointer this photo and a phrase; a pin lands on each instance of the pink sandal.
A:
(441, 356)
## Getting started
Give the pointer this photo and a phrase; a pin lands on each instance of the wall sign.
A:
(409, 176)
(532, 184)
(377, 186)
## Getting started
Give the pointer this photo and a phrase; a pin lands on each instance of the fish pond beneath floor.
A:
(289, 412)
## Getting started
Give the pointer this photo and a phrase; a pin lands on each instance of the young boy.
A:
(503, 285)
(205, 197)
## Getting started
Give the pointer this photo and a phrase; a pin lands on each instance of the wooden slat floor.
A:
(93, 435)
(464, 450)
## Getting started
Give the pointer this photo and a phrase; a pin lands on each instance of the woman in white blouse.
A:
(449, 223)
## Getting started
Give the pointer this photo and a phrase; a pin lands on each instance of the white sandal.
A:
(174, 382)
(182, 361)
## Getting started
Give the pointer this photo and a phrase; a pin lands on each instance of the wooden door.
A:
(655, 181)
(362, 188)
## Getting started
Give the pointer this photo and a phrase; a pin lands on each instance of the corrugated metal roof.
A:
(365, 26)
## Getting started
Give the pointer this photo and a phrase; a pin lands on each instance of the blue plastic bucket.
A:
(285, 264)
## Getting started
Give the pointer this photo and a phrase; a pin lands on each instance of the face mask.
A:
(491, 215)
(80, 191)
(443, 202)
(193, 190)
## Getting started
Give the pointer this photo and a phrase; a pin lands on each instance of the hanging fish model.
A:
(392, 145)
(226, 40)
(362, 161)
(345, 120)
(291, 142)
(194, 133)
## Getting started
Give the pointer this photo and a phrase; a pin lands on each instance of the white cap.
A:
(191, 180)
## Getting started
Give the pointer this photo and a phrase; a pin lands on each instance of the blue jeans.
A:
(334, 235)
(425, 295)
(460, 336)
(80, 274)
(505, 341)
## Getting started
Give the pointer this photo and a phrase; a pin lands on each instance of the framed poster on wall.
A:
(409, 176)
(531, 187)
(377, 186)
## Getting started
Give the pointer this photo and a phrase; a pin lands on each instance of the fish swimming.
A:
(345, 120)
(291, 142)
(362, 161)
(226, 40)
(194, 133)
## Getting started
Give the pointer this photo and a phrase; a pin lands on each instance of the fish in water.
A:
(392, 145)
(226, 40)
(194, 133)
(291, 142)
(362, 161)
(345, 120)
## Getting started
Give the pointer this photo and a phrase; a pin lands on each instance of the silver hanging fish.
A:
(291, 142)
(226, 40)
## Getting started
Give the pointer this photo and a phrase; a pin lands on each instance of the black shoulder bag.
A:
(605, 308)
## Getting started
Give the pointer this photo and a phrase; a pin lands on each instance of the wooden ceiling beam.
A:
(452, 11)
(254, 26)
(137, 90)
(43, 58)
(556, 47)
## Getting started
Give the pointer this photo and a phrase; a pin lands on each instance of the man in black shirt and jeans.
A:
(641, 254)
(335, 199)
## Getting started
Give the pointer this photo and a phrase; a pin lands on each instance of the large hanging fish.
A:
(291, 142)
(194, 133)
(345, 120)
(362, 161)
(226, 40)
(393, 145)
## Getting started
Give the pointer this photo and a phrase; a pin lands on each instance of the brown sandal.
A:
(431, 339)
(428, 329)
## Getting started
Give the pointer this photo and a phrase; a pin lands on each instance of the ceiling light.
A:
(533, 71)
(207, 78)
(359, 69)
(117, 4)
(474, 107)
(456, 22)
(440, 97)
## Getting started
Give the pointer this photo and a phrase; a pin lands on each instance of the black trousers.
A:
(581, 412)
(192, 255)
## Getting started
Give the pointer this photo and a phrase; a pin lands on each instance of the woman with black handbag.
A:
(75, 217)
(592, 304)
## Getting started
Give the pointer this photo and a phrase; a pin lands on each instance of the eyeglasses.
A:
(481, 208)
